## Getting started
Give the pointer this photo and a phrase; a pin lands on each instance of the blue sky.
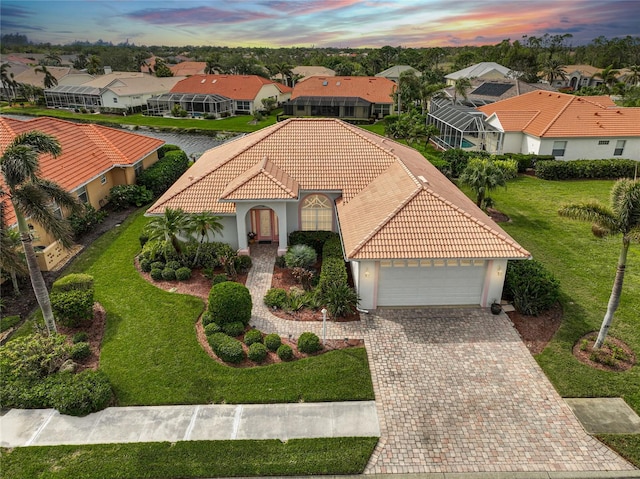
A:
(320, 23)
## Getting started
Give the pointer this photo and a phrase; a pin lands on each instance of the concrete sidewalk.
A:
(46, 427)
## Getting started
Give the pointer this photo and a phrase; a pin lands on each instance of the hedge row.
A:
(334, 269)
(531, 287)
(72, 299)
(586, 169)
(162, 174)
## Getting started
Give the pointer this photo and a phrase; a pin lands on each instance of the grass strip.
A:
(189, 459)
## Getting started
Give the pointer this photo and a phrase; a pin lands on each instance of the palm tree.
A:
(621, 217)
(10, 258)
(49, 80)
(213, 65)
(52, 58)
(431, 130)
(553, 69)
(461, 87)
(32, 196)
(201, 224)
(428, 91)
(633, 77)
(94, 65)
(482, 175)
(168, 227)
(609, 77)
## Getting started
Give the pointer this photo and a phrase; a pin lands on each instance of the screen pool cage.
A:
(194, 104)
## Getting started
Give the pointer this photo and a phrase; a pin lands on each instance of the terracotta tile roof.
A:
(87, 150)
(236, 87)
(372, 89)
(394, 203)
(556, 115)
(185, 69)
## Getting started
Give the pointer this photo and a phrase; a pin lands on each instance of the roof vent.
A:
(203, 80)
(214, 80)
(337, 83)
(325, 83)
(423, 179)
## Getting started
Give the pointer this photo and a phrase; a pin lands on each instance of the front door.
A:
(265, 224)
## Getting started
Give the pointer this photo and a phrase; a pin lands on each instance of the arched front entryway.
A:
(264, 223)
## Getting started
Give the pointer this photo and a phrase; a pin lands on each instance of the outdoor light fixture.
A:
(499, 271)
(366, 273)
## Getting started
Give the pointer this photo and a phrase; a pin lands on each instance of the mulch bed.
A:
(614, 355)
(537, 331)
(95, 332)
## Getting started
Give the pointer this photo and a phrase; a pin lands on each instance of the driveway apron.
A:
(457, 391)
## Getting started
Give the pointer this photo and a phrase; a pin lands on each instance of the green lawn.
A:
(152, 357)
(189, 459)
(585, 266)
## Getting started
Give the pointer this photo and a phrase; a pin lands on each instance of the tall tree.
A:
(633, 77)
(553, 69)
(482, 175)
(201, 224)
(167, 228)
(609, 77)
(460, 88)
(31, 197)
(49, 80)
(621, 217)
(52, 59)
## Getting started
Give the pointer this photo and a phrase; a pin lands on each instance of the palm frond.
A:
(38, 141)
(58, 194)
(18, 164)
(625, 203)
(595, 213)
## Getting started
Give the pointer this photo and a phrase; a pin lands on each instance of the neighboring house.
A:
(302, 72)
(94, 158)
(186, 69)
(460, 126)
(411, 237)
(117, 91)
(219, 95)
(566, 126)
(352, 98)
(394, 72)
(483, 70)
(483, 92)
(36, 78)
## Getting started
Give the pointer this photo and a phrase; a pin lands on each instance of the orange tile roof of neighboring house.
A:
(394, 203)
(372, 89)
(87, 150)
(185, 69)
(555, 115)
(236, 87)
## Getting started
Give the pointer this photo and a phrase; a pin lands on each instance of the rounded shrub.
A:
(276, 298)
(252, 336)
(169, 274)
(183, 273)
(257, 352)
(72, 307)
(219, 278)
(532, 288)
(157, 265)
(230, 302)
(243, 263)
(300, 255)
(145, 265)
(80, 351)
(309, 343)
(233, 329)
(212, 328)
(285, 352)
(80, 337)
(156, 274)
(272, 341)
(226, 348)
(173, 265)
(82, 393)
(207, 318)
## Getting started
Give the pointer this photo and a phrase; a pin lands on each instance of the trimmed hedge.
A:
(226, 348)
(257, 352)
(586, 169)
(253, 336)
(315, 239)
(81, 394)
(74, 281)
(72, 307)
(233, 329)
(166, 148)
(532, 288)
(212, 328)
(272, 341)
(183, 274)
(332, 248)
(80, 351)
(163, 173)
(309, 343)
(230, 302)
(285, 352)
(334, 270)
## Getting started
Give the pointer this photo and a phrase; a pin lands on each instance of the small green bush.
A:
(212, 328)
(309, 343)
(81, 394)
(230, 302)
(281, 262)
(207, 318)
(233, 329)
(72, 307)
(168, 274)
(340, 299)
(123, 196)
(183, 274)
(145, 265)
(157, 265)
(80, 351)
(276, 298)
(33, 357)
(585, 169)
(74, 281)
(162, 174)
(8, 322)
(272, 341)
(86, 221)
(80, 337)
(173, 264)
(301, 256)
(315, 239)
(285, 352)
(219, 278)
(156, 274)
(532, 288)
(252, 336)
(143, 238)
(226, 348)
(257, 352)
(243, 263)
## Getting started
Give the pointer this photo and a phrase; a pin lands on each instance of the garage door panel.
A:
(425, 286)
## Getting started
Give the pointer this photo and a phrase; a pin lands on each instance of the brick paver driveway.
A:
(457, 391)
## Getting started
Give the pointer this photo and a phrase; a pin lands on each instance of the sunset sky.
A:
(320, 23)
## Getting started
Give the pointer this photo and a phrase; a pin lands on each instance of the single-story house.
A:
(116, 91)
(566, 126)
(186, 69)
(482, 91)
(411, 237)
(483, 70)
(219, 95)
(393, 73)
(94, 158)
(353, 98)
(578, 76)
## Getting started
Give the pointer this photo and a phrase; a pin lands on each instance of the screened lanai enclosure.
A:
(195, 104)
(463, 127)
(329, 106)
(69, 96)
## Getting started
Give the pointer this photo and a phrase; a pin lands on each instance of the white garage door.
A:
(427, 283)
